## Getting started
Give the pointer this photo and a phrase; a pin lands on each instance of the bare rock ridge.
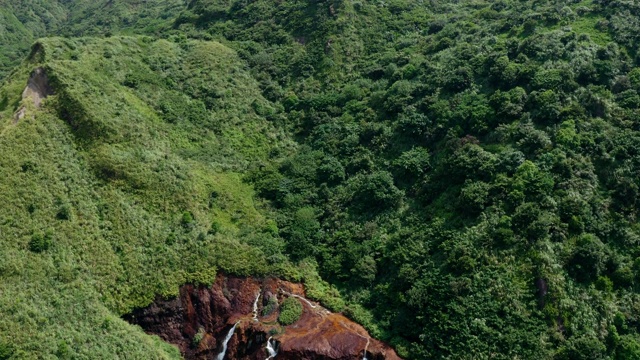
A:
(199, 320)
(37, 89)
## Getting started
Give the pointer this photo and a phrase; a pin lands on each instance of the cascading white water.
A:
(313, 306)
(255, 308)
(364, 356)
(366, 347)
(271, 350)
(226, 341)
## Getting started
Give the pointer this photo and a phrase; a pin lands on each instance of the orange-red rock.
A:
(212, 312)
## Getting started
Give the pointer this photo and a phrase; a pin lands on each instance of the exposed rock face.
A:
(207, 315)
(37, 89)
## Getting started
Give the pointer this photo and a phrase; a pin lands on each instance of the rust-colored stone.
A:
(207, 314)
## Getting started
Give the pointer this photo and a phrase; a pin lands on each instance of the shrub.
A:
(303, 230)
(6, 351)
(187, 220)
(290, 311)
(376, 192)
(272, 305)
(64, 351)
(604, 284)
(629, 348)
(473, 196)
(197, 338)
(64, 212)
(40, 241)
(215, 228)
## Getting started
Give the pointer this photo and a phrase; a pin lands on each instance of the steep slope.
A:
(125, 184)
(246, 312)
(468, 170)
(21, 23)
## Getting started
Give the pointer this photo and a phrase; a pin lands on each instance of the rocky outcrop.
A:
(37, 89)
(200, 318)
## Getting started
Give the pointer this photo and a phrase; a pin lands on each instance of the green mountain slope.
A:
(21, 23)
(464, 173)
(124, 187)
(467, 170)
(24, 21)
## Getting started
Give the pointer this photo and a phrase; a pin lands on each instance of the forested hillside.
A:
(24, 21)
(465, 174)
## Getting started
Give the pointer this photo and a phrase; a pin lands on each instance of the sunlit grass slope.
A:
(126, 184)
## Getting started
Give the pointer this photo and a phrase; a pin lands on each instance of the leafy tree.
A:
(376, 191)
(303, 230)
(589, 258)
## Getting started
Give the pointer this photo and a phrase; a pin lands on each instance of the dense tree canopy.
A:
(464, 173)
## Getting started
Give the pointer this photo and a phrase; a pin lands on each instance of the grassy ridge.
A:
(127, 196)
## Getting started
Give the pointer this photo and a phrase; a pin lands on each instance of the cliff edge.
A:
(236, 318)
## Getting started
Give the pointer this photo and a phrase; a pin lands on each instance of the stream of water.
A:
(313, 306)
(226, 341)
(255, 308)
(271, 350)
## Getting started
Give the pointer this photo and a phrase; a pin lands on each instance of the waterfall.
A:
(271, 350)
(366, 347)
(313, 306)
(226, 341)
(255, 308)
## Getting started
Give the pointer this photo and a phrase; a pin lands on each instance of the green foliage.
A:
(475, 155)
(41, 241)
(290, 311)
(589, 258)
(64, 212)
(197, 338)
(187, 219)
(463, 175)
(375, 192)
(303, 230)
(6, 351)
(109, 205)
(27, 20)
(272, 305)
(63, 352)
(629, 348)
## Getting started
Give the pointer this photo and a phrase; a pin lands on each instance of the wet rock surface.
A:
(200, 318)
